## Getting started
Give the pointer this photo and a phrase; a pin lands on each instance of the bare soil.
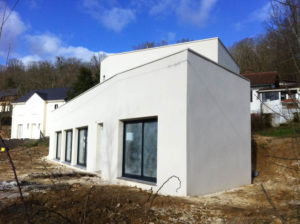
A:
(55, 194)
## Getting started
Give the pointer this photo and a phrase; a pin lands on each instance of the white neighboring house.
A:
(158, 114)
(30, 116)
(270, 95)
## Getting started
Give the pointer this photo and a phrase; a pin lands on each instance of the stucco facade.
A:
(203, 135)
(30, 118)
(211, 48)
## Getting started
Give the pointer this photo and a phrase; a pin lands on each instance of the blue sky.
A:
(44, 29)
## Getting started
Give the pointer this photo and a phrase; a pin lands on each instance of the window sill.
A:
(137, 181)
(80, 167)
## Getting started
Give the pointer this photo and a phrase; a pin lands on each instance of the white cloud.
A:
(43, 44)
(187, 11)
(258, 15)
(12, 29)
(48, 47)
(261, 14)
(109, 14)
(163, 7)
(117, 18)
(190, 12)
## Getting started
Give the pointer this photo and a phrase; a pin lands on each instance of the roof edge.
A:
(221, 66)
(221, 42)
(164, 46)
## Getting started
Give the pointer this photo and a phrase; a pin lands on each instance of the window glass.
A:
(140, 150)
(150, 148)
(270, 96)
(82, 146)
(133, 145)
(58, 145)
(68, 145)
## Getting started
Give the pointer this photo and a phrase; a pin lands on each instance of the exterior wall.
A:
(33, 115)
(255, 105)
(218, 125)
(157, 89)
(50, 106)
(116, 63)
(225, 59)
(30, 115)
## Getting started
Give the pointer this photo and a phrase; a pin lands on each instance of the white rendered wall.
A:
(219, 136)
(50, 106)
(225, 59)
(255, 105)
(33, 115)
(30, 115)
(154, 90)
(210, 48)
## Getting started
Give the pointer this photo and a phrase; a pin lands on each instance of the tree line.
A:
(278, 48)
(64, 72)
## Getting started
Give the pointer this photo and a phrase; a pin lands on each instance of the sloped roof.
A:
(262, 78)
(8, 92)
(46, 94)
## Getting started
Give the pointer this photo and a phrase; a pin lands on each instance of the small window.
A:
(58, 145)
(55, 106)
(82, 146)
(68, 154)
(140, 150)
(270, 96)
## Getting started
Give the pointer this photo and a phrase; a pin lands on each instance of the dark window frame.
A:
(85, 151)
(67, 131)
(132, 176)
(56, 154)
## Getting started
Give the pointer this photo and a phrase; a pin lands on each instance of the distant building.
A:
(272, 95)
(30, 114)
(6, 98)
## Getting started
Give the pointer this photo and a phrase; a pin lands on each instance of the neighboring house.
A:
(6, 98)
(272, 95)
(160, 112)
(30, 117)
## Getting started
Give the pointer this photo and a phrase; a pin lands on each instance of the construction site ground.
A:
(56, 194)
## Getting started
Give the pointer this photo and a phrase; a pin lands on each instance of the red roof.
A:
(262, 78)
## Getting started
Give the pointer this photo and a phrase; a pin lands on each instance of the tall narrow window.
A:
(68, 148)
(82, 146)
(140, 150)
(58, 145)
(20, 131)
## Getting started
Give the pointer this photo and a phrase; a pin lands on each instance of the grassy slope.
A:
(281, 131)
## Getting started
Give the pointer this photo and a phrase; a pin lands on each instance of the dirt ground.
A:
(55, 194)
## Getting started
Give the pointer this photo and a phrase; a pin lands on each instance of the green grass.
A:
(281, 131)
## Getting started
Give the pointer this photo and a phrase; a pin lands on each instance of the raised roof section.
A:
(211, 48)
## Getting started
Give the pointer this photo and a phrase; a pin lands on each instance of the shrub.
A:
(261, 121)
(37, 142)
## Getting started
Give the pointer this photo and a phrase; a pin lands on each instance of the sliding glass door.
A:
(140, 149)
(82, 146)
(68, 154)
(58, 145)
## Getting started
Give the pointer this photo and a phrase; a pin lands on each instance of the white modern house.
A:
(30, 115)
(160, 112)
(273, 96)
